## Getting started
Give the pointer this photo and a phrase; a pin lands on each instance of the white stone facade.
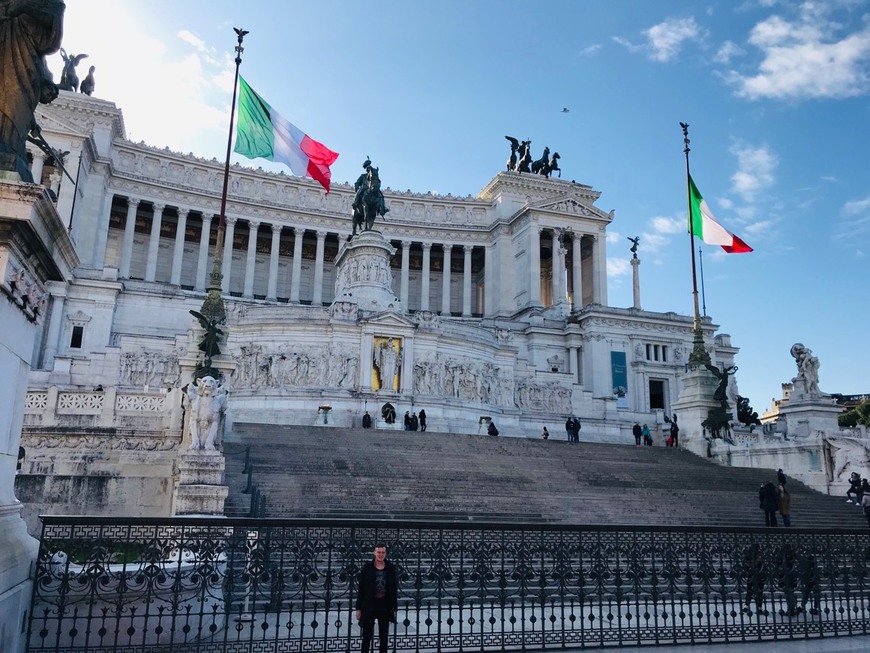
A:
(499, 302)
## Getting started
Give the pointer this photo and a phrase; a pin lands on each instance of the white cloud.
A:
(755, 168)
(590, 49)
(667, 38)
(618, 267)
(628, 45)
(856, 207)
(759, 227)
(806, 57)
(667, 225)
(727, 51)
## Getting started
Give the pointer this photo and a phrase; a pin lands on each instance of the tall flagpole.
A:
(699, 355)
(213, 306)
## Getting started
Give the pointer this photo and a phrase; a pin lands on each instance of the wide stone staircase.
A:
(303, 471)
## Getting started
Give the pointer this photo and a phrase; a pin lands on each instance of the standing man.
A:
(636, 432)
(377, 599)
(569, 428)
(575, 430)
(422, 420)
(675, 432)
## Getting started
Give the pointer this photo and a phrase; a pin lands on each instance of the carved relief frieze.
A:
(22, 288)
(328, 366)
(99, 442)
(150, 367)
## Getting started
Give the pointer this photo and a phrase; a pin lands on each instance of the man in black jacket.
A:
(377, 598)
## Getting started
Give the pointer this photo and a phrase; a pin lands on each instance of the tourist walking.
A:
(767, 502)
(636, 432)
(377, 599)
(854, 488)
(784, 501)
(675, 432)
(780, 477)
(647, 436)
(422, 420)
(545, 434)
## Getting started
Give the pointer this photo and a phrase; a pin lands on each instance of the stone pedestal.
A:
(695, 401)
(35, 248)
(810, 417)
(363, 274)
(200, 489)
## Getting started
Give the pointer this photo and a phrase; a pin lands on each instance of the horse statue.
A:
(369, 201)
(539, 166)
(69, 80)
(512, 159)
(553, 165)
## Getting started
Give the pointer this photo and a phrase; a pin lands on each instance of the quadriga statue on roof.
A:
(29, 30)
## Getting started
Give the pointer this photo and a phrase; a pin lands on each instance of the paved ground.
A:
(826, 645)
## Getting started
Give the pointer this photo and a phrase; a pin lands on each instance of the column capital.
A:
(253, 225)
(276, 227)
(133, 202)
(182, 213)
(406, 244)
(38, 154)
(158, 208)
(468, 248)
(321, 235)
(207, 217)
(231, 221)
(426, 246)
(447, 246)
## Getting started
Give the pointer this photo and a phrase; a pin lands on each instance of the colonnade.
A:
(562, 282)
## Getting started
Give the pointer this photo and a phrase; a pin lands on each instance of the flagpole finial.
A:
(685, 127)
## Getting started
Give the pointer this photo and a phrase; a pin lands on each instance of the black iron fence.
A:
(209, 585)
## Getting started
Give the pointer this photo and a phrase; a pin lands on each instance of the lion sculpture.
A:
(208, 401)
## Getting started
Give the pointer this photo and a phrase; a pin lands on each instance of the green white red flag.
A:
(705, 226)
(262, 132)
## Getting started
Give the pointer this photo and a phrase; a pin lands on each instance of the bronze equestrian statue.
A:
(368, 202)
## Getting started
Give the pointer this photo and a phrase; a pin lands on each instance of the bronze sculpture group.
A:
(368, 201)
(520, 159)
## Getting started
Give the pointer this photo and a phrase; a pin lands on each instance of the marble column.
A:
(202, 260)
(406, 266)
(253, 227)
(577, 274)
(37, 166)
(558, 269)
(154, 242)
(57, 293)
(488, 282)
(445, 281)
(272, 289)
(534, 265)
(466, 280)
(635, 277)
(127, 244)
(317, 299)
(102, 235)
(424, 288)
(227, 255)
(178, 252)
(598, 259)
(295, 281)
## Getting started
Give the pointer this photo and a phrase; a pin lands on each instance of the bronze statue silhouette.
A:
(88, 83)
(369, 200)
(512, 159)
(539, 165)
(721, 393)
(29, 30)
(525, 153)
(69, 80)
(634, 242)
(553, 165)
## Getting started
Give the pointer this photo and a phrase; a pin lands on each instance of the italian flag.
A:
(704, 225)
(263, 133)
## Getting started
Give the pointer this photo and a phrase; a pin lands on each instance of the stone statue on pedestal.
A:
(368, 201)
(387, 360)
(208, 402)
(808, 369)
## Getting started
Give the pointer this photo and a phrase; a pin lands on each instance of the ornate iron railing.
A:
(209, 585)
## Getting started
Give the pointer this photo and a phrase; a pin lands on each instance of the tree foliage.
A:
(860, 414)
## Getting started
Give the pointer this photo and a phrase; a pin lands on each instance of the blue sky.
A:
(776, 93)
